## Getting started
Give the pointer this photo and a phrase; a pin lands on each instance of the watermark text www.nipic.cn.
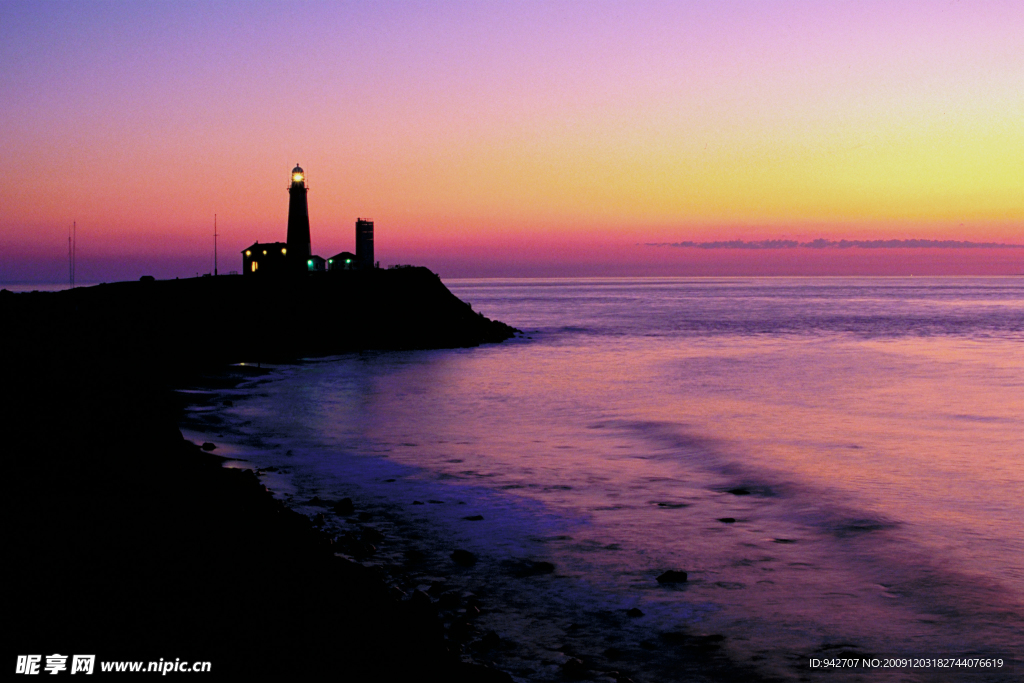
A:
(33, 665)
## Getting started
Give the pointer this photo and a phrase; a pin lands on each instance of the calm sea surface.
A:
(838, 464)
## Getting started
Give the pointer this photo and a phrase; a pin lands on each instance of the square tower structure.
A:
(364, 242)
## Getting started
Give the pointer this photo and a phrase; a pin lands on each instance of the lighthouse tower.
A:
(298, 221)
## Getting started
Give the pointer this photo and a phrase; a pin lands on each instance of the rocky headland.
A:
(128, 542)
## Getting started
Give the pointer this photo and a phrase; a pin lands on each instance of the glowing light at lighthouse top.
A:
(298, 221)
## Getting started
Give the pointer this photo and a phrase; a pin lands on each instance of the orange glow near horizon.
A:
(528, 135)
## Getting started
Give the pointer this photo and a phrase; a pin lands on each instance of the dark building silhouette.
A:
(270, 257)
(346, 260)
(298, 221)
(364, 242)
(295, 255)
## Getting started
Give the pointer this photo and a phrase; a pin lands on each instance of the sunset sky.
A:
(513, 138)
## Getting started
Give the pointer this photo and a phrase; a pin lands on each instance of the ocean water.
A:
(837, 464)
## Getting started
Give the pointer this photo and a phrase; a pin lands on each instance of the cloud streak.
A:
(838, 244)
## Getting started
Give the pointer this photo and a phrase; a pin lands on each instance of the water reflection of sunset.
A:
(829, 459)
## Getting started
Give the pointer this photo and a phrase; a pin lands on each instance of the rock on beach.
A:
(463, 557)
(672, 576)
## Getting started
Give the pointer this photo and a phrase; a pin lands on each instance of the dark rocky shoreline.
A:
(130, 543)
(492, 609)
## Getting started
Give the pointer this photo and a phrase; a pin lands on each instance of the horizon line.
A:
(821, 243)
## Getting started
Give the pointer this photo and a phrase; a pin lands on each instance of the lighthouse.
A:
(298, 221)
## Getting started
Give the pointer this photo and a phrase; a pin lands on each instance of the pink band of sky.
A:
(496, 138)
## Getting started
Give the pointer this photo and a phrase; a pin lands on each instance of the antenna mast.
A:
(73, 244)
(215, 245)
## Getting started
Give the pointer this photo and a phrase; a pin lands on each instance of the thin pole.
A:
(215, 245)
(74, 251)
(71, 277)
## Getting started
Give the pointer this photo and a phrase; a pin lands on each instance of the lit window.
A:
(284, 251)
(248, 253)
(254, 266)
(264, 252)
